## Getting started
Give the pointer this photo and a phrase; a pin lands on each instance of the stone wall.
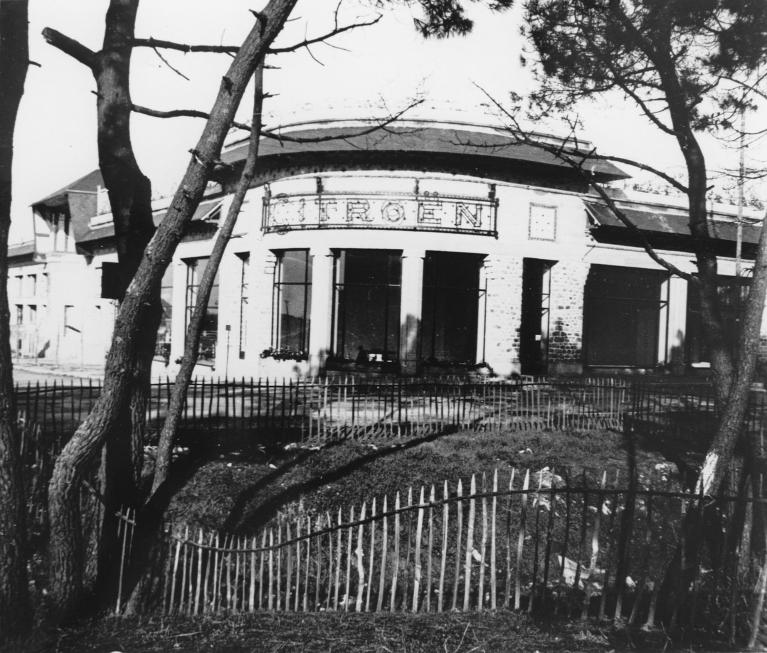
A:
(568, 280)
(504, 312)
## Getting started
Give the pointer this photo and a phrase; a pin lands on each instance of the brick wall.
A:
(504, 312)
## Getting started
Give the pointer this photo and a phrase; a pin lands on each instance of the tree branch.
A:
(641, 166)
(184, 47)
(319, 39)
(70, 46)
(521, 136)
(267, 133)
(232, 49)
(168, 64)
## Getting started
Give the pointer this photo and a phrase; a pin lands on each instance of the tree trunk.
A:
(191, 348)
(66, 544)
(148, 537)
(14, 600)
(733, 412)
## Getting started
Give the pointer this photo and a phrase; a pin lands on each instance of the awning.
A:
(659, 221)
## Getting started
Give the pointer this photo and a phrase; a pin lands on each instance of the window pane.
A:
(293, 326)
(296, 266)
(162, 347)
(292, 299)
(368, 301)
(209, 325)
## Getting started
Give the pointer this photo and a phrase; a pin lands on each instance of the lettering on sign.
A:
(427, 212)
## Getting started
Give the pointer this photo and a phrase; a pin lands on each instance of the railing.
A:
(338, 408)
(248, 411)
(686, 412)
(531, 541)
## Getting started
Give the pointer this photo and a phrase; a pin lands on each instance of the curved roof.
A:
(445, 142)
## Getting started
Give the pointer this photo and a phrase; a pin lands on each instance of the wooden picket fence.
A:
(531, 541)
(417, 407)
(263, 410)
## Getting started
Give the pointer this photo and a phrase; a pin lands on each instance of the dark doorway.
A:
(367, 303)
(450, 308)
(733, 295)
(622, 316)
(534, 327)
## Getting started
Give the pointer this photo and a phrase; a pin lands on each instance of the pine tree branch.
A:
(324, 37)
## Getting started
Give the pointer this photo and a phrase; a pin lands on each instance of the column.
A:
(677, 324)
(178, 316)
(411, 301)
(321, 309)
(566, 308)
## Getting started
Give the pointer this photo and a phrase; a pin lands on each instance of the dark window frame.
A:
(338, 318)
(190, 298)
(242, 326)
(278, 286)
(432, 288)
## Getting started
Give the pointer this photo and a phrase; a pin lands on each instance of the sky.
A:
(371, 71)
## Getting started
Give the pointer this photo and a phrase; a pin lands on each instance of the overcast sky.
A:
(375, 69)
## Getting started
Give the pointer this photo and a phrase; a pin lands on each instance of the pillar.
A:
(321, 315)
(411, 304)
(178, 316)
(503, 315)
(677, 324)
(566, 307)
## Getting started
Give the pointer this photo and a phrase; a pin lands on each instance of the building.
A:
(422, 248)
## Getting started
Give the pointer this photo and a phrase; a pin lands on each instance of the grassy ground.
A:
(331, 632)
(239, 492)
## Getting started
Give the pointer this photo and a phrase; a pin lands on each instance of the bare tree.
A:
(130, 194)
(14, 599)
(66, 550)
(101, 425)
(192, 344)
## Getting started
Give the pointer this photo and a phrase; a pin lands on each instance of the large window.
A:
(622, 316)
(242, 331)
(367, 305)
(162, 348)
(209, 329)
(733, 293)
(292, 298)
(450, 308)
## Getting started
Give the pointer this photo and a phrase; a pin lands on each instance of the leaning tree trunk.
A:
(148, 541)
(191, 348)
(14, 599)
(733, 412)
(66, 549)
(130, 198)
